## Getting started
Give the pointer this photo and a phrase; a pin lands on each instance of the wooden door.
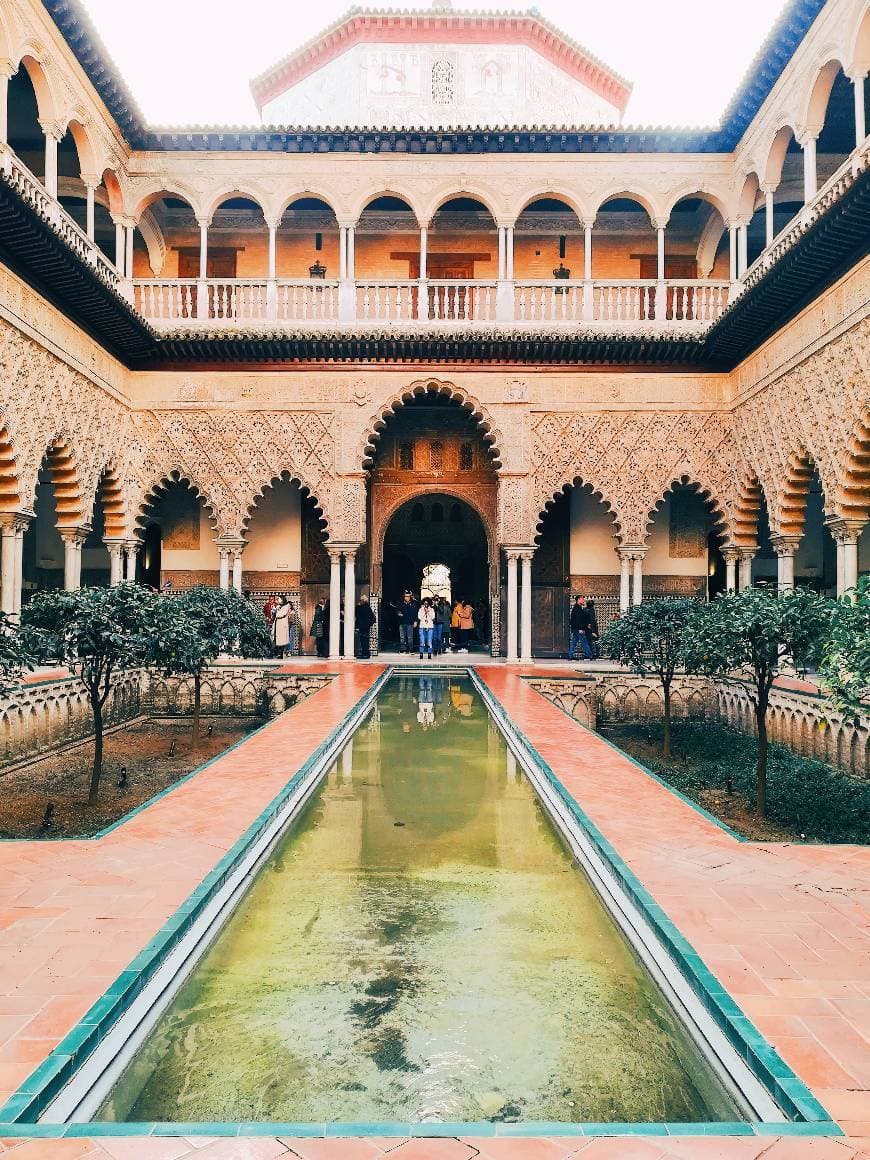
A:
(445, 301)
(220, 263)
(680, 266)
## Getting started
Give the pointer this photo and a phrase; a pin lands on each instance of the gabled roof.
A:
(421, 26)
(786, 35)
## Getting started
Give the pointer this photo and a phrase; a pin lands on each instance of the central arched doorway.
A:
(435, 542)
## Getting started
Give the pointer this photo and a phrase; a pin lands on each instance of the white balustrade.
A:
(237, 300)
(307, 300)
(382, 301)
(31, 190)
(165, 300)
(461, 301)
(623, 301)
(560, 301)
(700, 300)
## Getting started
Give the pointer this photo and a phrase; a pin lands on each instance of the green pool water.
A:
(420, 946)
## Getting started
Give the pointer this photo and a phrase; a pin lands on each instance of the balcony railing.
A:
(672, 305)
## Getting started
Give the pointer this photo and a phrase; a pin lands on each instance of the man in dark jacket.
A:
(406, 614)
(584, 628)
(365, 618)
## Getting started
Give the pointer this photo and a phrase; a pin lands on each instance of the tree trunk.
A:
(761, 768)
(97, 769)
(666, 727)
(197, 702)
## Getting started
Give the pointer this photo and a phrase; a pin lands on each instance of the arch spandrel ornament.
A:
(367, 444)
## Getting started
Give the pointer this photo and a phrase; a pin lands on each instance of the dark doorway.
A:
(435, 528)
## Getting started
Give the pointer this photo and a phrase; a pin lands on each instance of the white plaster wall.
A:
(593, 544)
(206, 557)
(391, 84)
(275, 531)
(658, 559)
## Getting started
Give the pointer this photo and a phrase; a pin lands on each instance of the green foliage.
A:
(755, 632)
(95, 632)
(653, 636)
(193, 629)
(15, 656)
(758, 630)
(804, 796)
(845, 667)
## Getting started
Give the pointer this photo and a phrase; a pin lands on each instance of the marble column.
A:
(858, 80)
(785, 548)
(811, 180)
(334, 603)
(512, 557)
(52, 139)
(8, 556)
(509, 253)
(846, 533)
(202, 304)
(119, 245)
(768, 215)
(624, 579)
(20, 528)
(747, 555)
(223, 567)
(73, 539)
(7, 71)
(131, 551)
(349, 601)
(237, 569)
(526, 607)
(637, 575)
(732, 555)
(115, 548)
(90, 189)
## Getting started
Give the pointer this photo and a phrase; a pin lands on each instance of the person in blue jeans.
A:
(583, 628)
(406, 614)
(426, 621)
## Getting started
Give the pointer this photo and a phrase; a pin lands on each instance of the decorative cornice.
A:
(776, 52)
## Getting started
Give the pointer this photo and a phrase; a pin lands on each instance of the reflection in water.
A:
(420, 946)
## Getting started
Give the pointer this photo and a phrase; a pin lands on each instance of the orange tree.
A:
(94, 632)
(756, 633)
(651, 637)
(193, 629)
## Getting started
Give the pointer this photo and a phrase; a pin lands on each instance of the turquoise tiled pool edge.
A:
(18, 1114)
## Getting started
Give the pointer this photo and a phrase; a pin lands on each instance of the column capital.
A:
(660, 223)
(784, 545)
(588, 223)
(845, 529)
(91, 180)
(632, 551)
(731, 555)
(203, 222)
(748, 552)
(768, 186)
(806, 137)
(124, 220)
(16, 521)
(512, 552)
(858, 72)
(53, 129)
(8, 68)
(235, 544)
(76, 535)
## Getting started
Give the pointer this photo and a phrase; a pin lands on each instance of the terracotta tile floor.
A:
(785, 927)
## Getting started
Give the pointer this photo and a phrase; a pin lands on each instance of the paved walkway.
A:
(781, 926)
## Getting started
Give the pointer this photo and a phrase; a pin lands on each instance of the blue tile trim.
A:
(47, 1079)
(43, 1084)
(770, 1069)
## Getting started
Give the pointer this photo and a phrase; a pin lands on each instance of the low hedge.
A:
(807, 797)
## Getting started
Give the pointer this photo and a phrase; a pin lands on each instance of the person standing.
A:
(406, 614)
(442, 625)
(281, 626)
(364, 618)
(584, 628)
(466, 625)
(319, 629)
(426, 621)
(454, 625)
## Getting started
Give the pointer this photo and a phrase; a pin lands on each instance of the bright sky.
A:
(188, 62)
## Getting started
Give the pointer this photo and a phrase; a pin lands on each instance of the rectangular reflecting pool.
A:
(420, 945)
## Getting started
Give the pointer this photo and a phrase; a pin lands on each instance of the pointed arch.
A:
(564, 488)
(284, 475)
(715, 506)
(110, 496)
(853, 494)
(475, 409)
(10, 484)
(154, 491)
(60, 465)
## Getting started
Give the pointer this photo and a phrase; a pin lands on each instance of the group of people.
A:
(280, 616)
(584, 629)
(363, 617)
(436, 625)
